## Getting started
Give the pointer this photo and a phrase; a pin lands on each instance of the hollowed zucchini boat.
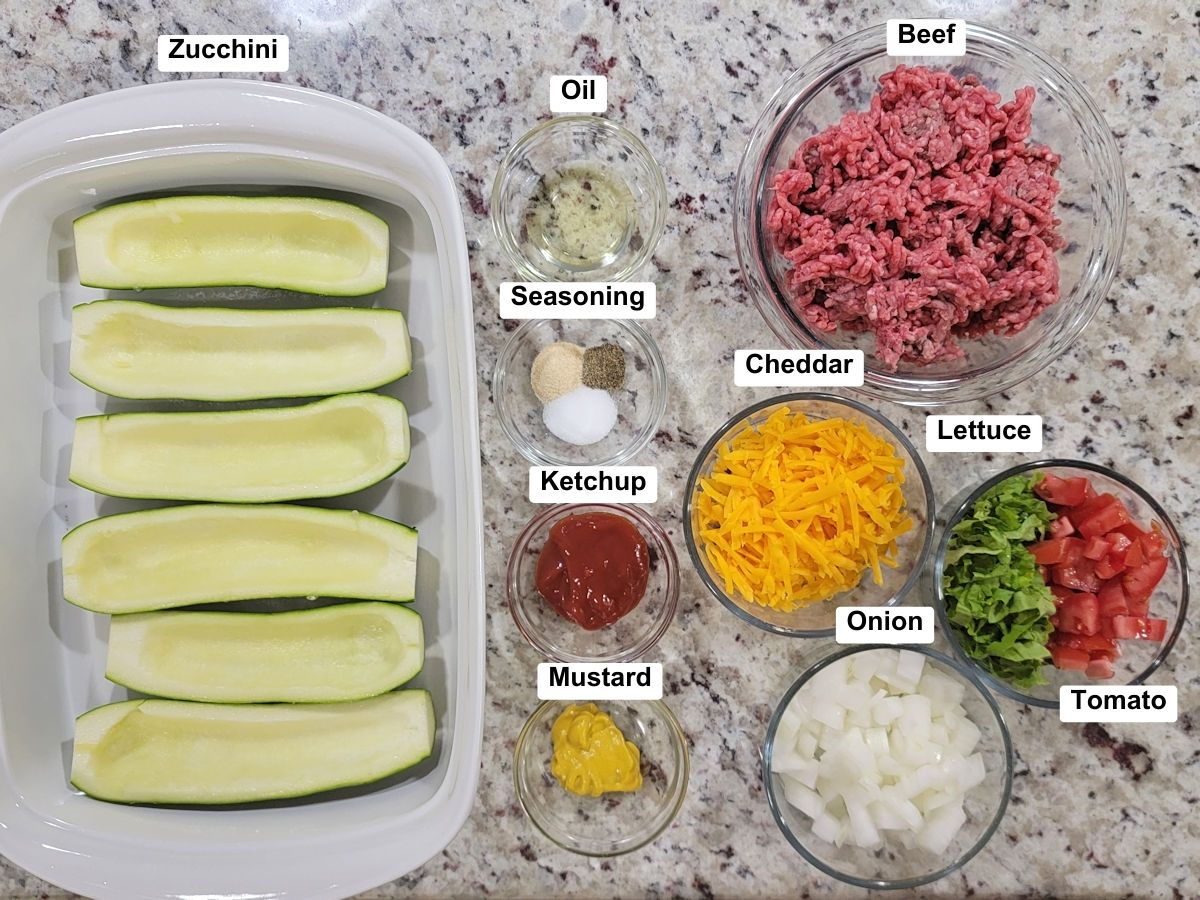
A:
(332, 653)
(299, 243)
(320, 449)
(139, 350)
(172, 751)
(206, 553)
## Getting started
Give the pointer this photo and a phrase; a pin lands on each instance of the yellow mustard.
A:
(591, 755)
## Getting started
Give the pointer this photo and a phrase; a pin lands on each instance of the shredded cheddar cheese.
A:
(797, 509)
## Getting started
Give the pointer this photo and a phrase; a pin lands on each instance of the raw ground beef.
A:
(925, 219)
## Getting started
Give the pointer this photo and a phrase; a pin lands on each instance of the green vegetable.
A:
(995, 596)
(172, 751)
(303, 244)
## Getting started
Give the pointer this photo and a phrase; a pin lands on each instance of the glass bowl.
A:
(1091, 205)
(913, 547)
(545, 166)
(1138, 659)
(641, 402)
(625, 640)
(894, 866)
(613, 823)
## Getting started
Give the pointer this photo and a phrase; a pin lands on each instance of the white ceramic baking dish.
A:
(255, 138)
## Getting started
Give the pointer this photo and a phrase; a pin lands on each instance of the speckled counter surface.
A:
(1105, 811)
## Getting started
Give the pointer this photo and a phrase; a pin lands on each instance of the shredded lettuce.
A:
(995, 596)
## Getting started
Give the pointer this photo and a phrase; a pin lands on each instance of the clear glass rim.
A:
(939, 563)
(805, 397)
(774, 802)
(614, 131)
(657, 401)
(751, 183)
(629, 843)
(655, 535)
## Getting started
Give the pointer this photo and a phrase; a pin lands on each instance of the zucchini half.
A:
(320, 449)
(146, 352)
(213, 553)
(172, 751)
(299, 243)
(332, 653)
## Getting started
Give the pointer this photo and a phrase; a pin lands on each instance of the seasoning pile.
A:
(576, 387)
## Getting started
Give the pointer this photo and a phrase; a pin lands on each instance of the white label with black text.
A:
(926, 37)
(578, 94)
(1127, 703)
(983, 434)
(883, 625)
(798, 368)
(600, 681)
(593, 484)
(577, 300)
(222, 53)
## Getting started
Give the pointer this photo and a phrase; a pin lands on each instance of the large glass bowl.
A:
(895, 866)
(1138, 659)
(817, 620)
(615, 823)
(1091, 205)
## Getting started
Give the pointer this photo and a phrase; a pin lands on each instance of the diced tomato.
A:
(1060, 593)
(1089, 508)
(1092, 643)
(1062, 491)
(1054, 620)
(1118, 543)
(1139, 628)
(1113, 601)
(1154, 542)
(1089, 492)
(1099, 667)
(1139, 583)
(1069, 658)
(1096, 548)
(1139, 607)
(1106, 628)
(1079, 614)
(1104, 519)
(1109, 567)
(1057, 550)
(1134, 556)
(1079, 575)
(1061, 527)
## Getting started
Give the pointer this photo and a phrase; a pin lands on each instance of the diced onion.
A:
(879, 746)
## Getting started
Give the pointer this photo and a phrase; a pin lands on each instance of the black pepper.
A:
(604, 367)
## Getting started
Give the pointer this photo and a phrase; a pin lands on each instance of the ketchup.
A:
(593, 569)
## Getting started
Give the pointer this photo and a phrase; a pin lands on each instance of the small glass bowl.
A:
(897, 867)
(614, 823)
(1138, 659)
(641, 402)
(913, 547)
(628, 638)
(1091, 205)
(573, 141)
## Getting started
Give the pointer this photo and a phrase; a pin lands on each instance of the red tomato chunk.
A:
(1102, 569)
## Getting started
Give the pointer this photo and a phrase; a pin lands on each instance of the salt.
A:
(583, 416)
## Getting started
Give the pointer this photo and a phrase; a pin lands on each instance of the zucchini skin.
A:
(299, 286)
(151, 606)
(235, 493)
(199, 393)
(158, 689)
(275, 795)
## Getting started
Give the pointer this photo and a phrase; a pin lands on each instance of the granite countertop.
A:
(1096, 811)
